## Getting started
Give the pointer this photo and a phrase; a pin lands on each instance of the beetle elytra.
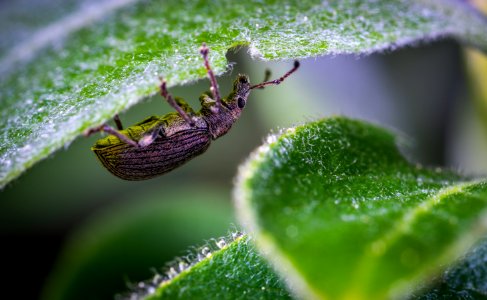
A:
(160, 144)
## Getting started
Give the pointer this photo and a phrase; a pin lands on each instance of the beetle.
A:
(159, 144)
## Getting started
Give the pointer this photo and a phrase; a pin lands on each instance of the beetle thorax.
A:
(221, 122)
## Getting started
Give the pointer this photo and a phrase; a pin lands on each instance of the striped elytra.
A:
(161, 156)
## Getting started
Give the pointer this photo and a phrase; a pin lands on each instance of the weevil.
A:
(160, 144)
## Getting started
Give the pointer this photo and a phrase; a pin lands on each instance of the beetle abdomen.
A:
(163, 155)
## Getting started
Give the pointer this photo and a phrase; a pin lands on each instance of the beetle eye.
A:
(240, 102)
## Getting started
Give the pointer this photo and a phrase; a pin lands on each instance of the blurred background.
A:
(71, 230)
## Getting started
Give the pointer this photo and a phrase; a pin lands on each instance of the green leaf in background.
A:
(79, 70)
(225, 269)
(345, 216)
(124, 242)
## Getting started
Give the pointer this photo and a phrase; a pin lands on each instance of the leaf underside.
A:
(79, 70)
(346, 216)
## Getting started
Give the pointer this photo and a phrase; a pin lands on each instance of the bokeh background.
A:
(71, 230)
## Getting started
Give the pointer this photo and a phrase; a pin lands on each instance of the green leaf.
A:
(344, 215)
(84, 67)
(229, 268)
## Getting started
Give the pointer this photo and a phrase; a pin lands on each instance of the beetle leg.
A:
(112, 131)
(206, 100)
(172, 102)
(148, 139)
(184, 105)
(116, 118)
(213, 83)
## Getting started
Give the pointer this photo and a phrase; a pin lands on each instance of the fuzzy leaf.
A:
(102, 57)
(225, 269)
(345, 216)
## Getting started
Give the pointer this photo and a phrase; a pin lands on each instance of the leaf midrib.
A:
(398, 227)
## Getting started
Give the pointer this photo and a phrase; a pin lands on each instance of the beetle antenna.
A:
(267, 76)
(277, 81)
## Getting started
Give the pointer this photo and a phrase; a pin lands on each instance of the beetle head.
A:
(238, 98)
